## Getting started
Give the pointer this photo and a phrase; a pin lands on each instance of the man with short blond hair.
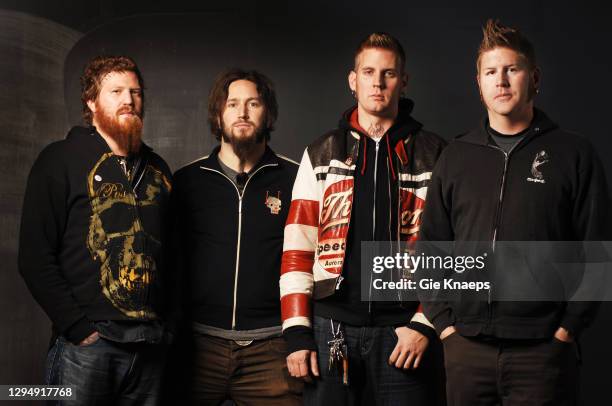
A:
(516, 177)
(356, 183)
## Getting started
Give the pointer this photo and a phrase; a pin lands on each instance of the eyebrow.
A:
(126, 87)
(249, 99)
(383, 70)
(503, 66)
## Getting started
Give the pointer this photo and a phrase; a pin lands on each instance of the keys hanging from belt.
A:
(338, 352)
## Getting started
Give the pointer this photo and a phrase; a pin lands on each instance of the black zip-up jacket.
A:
(231, 243)
(480, 193)
(90, 241)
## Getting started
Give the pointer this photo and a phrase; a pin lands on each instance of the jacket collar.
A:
(212, 161)
(480, 136)
(397, 135)
(403, 126)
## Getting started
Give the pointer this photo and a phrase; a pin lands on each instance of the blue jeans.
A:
(371, 379)
(105, 372)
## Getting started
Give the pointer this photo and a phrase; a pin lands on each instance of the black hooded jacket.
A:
(480, 193)
(90, 246)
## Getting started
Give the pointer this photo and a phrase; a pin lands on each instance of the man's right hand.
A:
(92, 338)
(302, 363)
(447, 331)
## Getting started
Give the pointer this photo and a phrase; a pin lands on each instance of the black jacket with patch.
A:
(230, 244)
(90, 241)
(550, 187)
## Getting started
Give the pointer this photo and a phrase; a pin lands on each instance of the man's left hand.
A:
(409, 350)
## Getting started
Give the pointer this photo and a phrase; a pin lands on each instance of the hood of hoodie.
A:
(79, 132)
(403, 126)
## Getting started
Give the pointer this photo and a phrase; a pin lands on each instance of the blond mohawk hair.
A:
(497, 35)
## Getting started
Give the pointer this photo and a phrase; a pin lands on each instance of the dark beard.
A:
(243, 146)
(128, 135)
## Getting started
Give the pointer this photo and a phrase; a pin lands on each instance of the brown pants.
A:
(249, 375)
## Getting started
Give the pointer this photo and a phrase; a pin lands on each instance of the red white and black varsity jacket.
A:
(318, 223)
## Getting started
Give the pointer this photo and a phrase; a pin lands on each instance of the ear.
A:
(478, 84)
(405, 78)
(92, 105)
(536, 77)
(352, 80)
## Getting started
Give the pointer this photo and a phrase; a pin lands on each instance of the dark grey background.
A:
(306, 49)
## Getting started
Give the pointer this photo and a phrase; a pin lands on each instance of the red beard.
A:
(126, 133)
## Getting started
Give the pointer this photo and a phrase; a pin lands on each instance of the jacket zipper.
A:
(373, 222)
(137, 168)
(240, 196)
(498, 213)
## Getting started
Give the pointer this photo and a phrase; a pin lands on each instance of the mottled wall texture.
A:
(32, 114)
(306, 49)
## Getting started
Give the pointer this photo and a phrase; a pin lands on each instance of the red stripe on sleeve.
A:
(296, 260)
(295, 305)
(304, 212)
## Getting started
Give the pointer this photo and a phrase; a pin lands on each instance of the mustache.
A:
(244, 122)
(130, 110)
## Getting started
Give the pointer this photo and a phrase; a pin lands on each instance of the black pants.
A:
(510, 373)
(372, 381)
(107, 373)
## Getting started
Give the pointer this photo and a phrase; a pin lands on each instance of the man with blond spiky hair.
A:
(364, 181)
(516, 177)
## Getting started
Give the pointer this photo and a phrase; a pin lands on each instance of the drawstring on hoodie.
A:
(365, 155)
(389, 156)
(404, 124)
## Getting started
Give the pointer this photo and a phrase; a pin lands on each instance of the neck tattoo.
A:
(376, 130)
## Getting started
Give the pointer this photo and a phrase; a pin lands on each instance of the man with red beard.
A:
(92, 231)
(232, 207)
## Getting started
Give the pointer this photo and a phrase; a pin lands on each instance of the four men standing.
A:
(96, 220)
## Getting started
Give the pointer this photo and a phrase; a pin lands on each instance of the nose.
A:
(243, 112)
(379, 80)
(502, 79)
(127, 98)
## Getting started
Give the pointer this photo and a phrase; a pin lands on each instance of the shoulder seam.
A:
(287, 159)
(194, 161)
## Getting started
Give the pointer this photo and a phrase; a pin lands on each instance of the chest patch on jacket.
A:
(540, 159)
(273, 202)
